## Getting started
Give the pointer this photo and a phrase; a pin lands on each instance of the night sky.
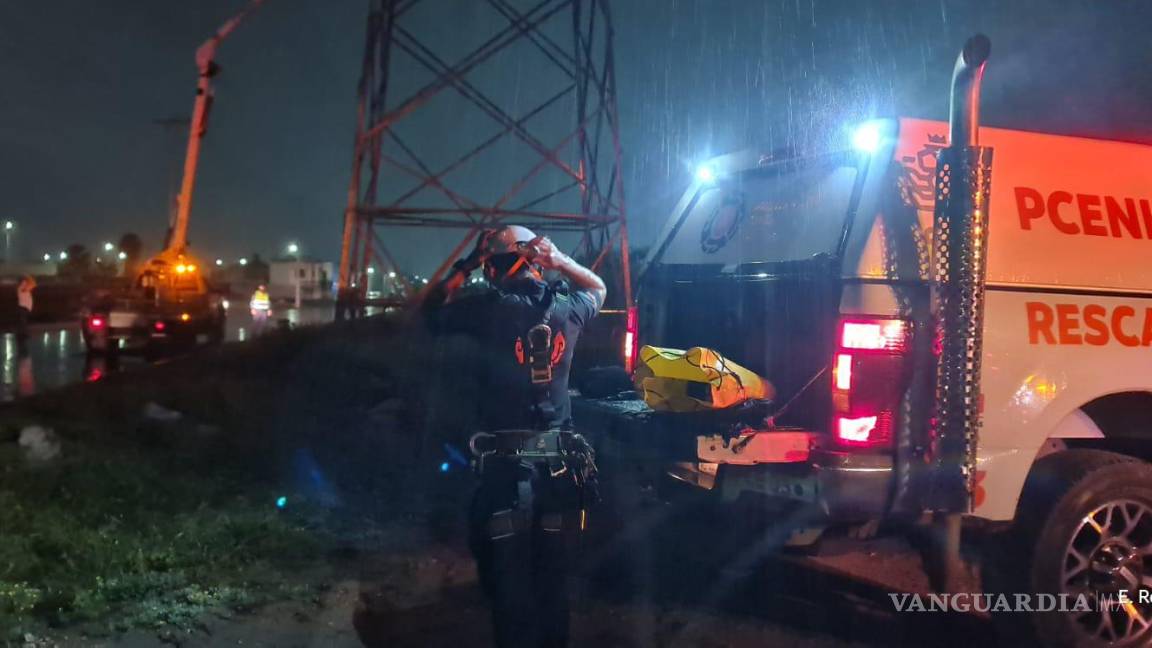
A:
(82, 158)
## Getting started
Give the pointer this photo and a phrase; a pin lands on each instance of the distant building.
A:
(314, 278)
(34, 268)
(240, 278)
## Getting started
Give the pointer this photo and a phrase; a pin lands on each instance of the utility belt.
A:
(561, 450)
(526, 444)
(566, 456)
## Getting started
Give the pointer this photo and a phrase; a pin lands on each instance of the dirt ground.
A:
(354, 434)
(411, 591)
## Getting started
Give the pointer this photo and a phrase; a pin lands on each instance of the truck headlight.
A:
(706, 174)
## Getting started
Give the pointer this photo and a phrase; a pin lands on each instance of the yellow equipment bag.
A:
(697, 379)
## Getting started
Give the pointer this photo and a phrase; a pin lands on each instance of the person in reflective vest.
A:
(536, 476)
(261, 307)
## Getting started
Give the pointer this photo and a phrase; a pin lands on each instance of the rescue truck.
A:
(820, 272)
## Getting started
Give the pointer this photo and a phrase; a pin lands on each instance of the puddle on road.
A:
(54, 355)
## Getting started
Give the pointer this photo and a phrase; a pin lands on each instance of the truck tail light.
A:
(631, 329)
(856, 429)
(843, 371)
(96, 323)
(874, 335)
(868, 374)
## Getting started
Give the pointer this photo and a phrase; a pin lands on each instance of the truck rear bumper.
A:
(840, 486)
(786, 465)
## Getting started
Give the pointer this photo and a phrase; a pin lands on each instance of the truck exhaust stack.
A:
(959, 261)
(964, 118)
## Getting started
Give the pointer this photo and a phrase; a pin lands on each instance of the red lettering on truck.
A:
(1030, 206)
(1068, 318)
(1097, 327)
(1125, 216)
(1089, 324)
(1090, 214)
(1084, 213)
(1039, 323)
(1118, 316)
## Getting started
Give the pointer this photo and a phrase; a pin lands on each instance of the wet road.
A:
(56, 357)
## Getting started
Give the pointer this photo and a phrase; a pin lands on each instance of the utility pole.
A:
(294, 252)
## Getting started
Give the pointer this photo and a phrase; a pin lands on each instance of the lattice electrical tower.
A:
(475, 113)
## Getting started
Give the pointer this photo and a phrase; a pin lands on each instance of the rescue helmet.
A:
(506, 251)
(508, 239)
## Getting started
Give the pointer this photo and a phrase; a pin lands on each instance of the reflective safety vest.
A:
(260, 301)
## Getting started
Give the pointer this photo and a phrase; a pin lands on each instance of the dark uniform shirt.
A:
(499, 319)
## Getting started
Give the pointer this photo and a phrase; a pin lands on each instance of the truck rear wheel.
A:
(1084, 528)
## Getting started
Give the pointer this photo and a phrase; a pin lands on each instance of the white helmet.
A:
(508, 239)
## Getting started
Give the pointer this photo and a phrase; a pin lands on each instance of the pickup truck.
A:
(818, 271)
(165, 308)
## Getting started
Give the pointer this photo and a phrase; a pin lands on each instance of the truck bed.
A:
(631, 429)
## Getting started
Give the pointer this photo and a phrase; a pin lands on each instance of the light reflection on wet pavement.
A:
(55, 354)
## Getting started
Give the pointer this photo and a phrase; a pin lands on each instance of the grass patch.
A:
(143, 524)
(128, 539)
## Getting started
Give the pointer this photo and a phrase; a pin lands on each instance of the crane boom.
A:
(206, 66)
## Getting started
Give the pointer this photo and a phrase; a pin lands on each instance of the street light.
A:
(63, 256)
(47, 257)
(8, 227)
(243, 261)
(108, 247)
(219, 262)
(122, 256)
(371, 273)
(294, 252)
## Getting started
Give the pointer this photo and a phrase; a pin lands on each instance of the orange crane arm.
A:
(206, 65)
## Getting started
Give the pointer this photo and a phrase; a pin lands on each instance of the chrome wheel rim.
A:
(1110, 552)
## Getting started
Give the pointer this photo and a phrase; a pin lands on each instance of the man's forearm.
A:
(444, 290)
(584, 279)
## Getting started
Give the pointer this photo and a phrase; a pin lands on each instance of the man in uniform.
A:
(535, 474)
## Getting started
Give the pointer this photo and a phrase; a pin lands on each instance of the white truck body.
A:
(1068, 315)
